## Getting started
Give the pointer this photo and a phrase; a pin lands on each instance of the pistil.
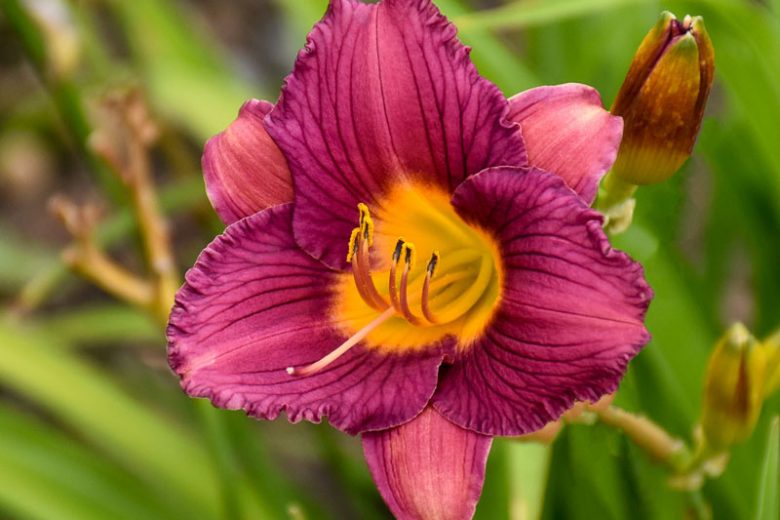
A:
(465, 280)
(343, 348)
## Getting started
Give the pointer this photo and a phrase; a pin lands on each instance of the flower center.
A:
(396, 303)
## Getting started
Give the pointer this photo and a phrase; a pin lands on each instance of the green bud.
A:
(734, 389)
(771, 349)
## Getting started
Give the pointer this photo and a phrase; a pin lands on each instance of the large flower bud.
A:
(662, 99)
(734, 388)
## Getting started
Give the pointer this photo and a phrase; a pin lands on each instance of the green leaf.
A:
(496, 493)
(183, 68)
(88, 401)
(493, 58)
(21, 259)
(768, 506)
(101, 326)
(527, 466)
(46, 474)
(527, 13)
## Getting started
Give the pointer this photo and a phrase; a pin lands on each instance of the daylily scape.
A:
(409, 255)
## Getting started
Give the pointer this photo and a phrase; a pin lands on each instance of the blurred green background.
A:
(94, 426)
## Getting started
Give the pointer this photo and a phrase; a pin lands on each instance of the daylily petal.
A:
(570, 315)
(568, 132)
(428, 468)
(245, 171)
(381, 93)
(255, 304)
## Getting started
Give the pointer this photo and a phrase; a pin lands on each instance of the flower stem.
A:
(649, 436)
(616, 203)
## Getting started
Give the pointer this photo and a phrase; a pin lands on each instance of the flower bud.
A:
(771, 349)
(734, 388)
(662, 99)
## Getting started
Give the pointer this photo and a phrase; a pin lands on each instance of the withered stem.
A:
(94, 265)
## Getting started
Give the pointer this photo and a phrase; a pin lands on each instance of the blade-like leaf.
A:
(84, 398)
(527, 13)
(62, 478)
(768, 507)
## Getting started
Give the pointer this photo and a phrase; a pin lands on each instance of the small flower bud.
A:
(771, 349)
(662, 99)
(734, 389)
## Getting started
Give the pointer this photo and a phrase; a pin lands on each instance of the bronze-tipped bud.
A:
(662, 99)
(734, 389)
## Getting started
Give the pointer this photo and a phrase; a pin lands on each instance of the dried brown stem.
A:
(85, 258)
(124, 145)
(123, 140)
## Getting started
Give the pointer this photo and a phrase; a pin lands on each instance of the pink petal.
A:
(244, 169)
(255, 304)
(383, 93)
(571, 311)
(567, 131)
(428, 468)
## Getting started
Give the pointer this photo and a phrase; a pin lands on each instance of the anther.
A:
(366, 223)
(352, 249)
(411, 255)
(433, 263)
(398, 247)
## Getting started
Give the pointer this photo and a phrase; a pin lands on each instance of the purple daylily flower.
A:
(410, 255)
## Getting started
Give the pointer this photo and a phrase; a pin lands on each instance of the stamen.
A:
(344, 347)
(399, 247)
(362, 273)
(430, 270)
(410, 255)
(359, 255)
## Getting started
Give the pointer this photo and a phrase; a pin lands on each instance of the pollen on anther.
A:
(353, 244)
(366, 223)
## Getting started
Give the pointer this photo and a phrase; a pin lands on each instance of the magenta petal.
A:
(255, 304)
(428, 468)
(245, 171)
(568, 132)
(383, 92)
(571, 311)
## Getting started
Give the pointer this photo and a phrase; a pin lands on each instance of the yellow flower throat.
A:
(396, 303)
